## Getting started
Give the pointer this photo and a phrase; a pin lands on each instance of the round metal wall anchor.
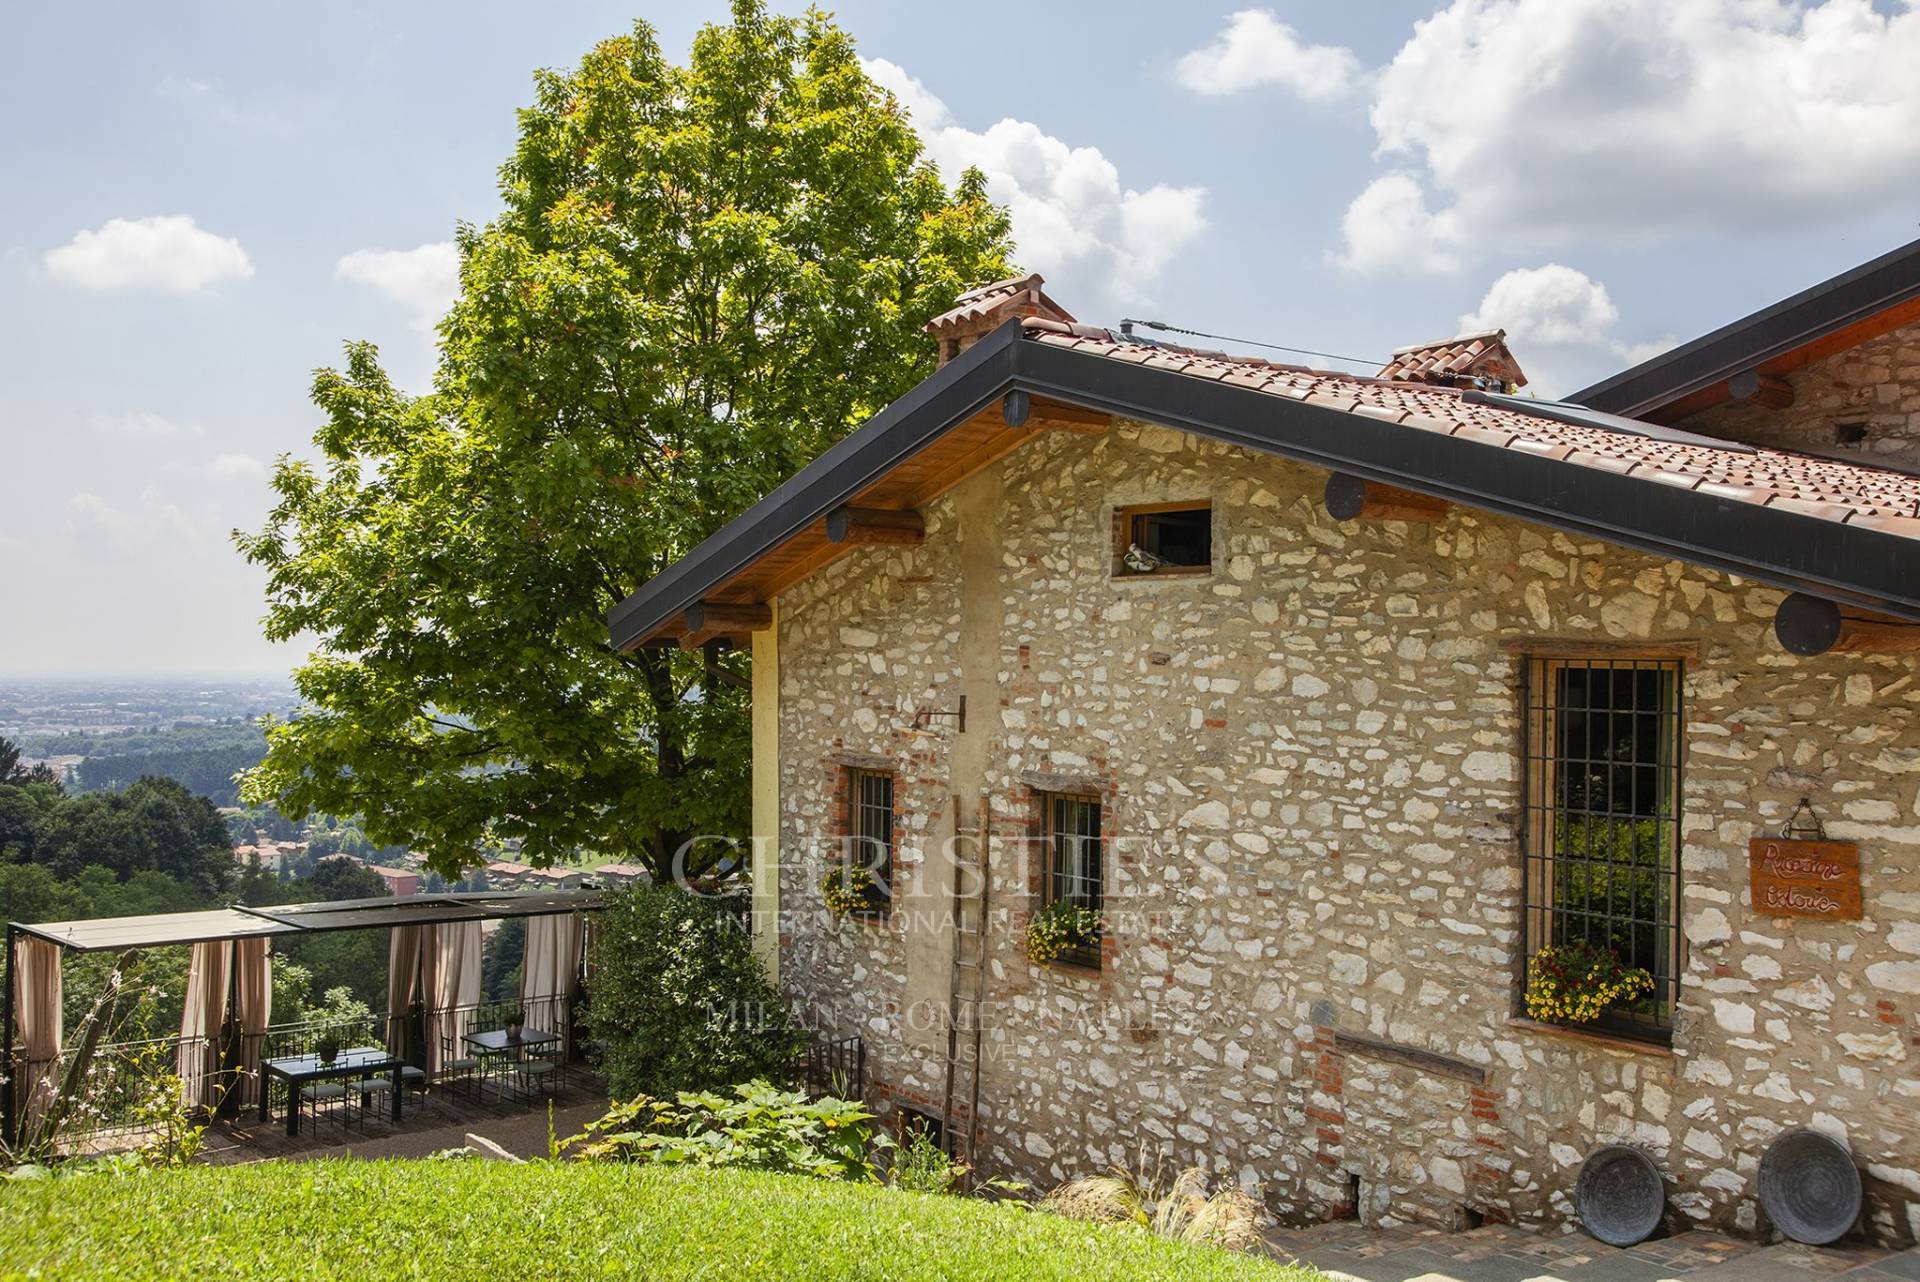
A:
(1620, 1195)
(1809, 1187)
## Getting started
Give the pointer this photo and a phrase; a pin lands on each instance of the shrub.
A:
(680, 1001)
(1574, 983)
(759, 1128)
(919, 1165)
(1060, 926)
(1183, 1211)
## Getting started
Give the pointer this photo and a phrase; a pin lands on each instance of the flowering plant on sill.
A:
(1058, 928)
(849, 889)
(1575, 982)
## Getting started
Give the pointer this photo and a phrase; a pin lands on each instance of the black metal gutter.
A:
(1854, 295)
(1844, 563)
(1848, 564)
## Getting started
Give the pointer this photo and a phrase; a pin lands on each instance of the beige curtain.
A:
(404, 947)
(450, 977)
(197, 1061)
(253, 1010)
(37, 1021)
(550, 970)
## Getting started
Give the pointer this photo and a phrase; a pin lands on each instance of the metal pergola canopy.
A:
(114, 934)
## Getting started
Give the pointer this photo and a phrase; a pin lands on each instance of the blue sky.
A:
(205, 200)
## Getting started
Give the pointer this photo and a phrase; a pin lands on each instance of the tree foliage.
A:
(701, 277)
(679, 999)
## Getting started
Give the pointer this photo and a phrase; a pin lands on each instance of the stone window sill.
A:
(1612, 1041)
(1191, 575)
(1073, 970)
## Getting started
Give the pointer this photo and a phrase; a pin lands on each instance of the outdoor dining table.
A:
(495, 1041)
(296, 1071)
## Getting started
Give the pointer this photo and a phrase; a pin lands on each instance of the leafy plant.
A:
(757, 1127)
(702, 274)
(1059, 928)
(1182, 1210)
(328, 1047)
(680, 1000)
(1575, 982)
(921, 1166)
(849, 889)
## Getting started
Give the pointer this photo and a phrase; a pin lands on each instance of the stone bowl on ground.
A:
(1809, 1187)
(1620, 1195)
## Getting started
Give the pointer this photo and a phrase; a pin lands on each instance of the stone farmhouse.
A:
(1336, 698)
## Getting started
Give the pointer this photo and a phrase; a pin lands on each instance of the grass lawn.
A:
(400, 1219)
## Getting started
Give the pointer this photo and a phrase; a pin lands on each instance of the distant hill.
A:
(204, 758)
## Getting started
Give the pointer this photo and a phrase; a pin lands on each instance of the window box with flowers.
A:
(1578, 982)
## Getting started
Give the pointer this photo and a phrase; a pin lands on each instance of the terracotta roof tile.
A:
(1827, 488)
(1482, 355)
(994, 303)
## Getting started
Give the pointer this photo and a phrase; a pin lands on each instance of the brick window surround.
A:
(867, 824)
(1072, 859)
(1601, 806)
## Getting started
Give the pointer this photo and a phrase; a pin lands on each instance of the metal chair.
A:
(459, 1070)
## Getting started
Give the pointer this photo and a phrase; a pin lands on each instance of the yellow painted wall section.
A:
(766, 795)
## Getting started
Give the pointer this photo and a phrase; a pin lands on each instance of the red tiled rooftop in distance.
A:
(1848, 493)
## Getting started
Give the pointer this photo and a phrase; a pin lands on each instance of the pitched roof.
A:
(989, 304)
(1847, 493)
(1843, 531)
(1838, 313)
(1484, 354)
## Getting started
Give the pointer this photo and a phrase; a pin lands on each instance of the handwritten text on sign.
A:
(1804, 878)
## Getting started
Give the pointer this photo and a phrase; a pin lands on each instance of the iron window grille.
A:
(1075, 869)
(870, 829)
(1601, 802)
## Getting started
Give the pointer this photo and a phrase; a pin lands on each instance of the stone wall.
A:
(1310, 765)
(1863, 401)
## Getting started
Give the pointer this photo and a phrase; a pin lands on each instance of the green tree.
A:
(703, 275)
(680, 1000)
(154, 825)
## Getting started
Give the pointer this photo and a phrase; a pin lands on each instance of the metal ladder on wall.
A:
(967, 990)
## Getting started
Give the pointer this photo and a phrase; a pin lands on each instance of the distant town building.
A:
(400, 883)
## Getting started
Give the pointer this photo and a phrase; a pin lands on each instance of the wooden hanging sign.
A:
(1794, 878)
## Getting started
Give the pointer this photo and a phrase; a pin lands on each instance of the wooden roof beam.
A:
(1809, 625)
(1349, 498)
(891, 527)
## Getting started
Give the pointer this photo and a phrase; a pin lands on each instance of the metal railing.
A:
(125, 1083)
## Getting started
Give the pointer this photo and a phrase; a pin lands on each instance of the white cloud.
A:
(1534, 123)
(1560, 323)
(144, 426)
(1255, 48)
(1550, 304)
(1073, 220)
(169, 253)
(425, 280)
(1389, 227)
(223, 467)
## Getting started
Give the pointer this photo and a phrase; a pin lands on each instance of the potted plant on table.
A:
(515, 1021)
(1576, 982)
(328, 1047)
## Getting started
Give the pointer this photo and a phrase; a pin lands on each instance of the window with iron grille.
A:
(870, 828)
(1074, 861)
(1602, 820)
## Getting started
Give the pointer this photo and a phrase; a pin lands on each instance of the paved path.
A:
(1501, 1254)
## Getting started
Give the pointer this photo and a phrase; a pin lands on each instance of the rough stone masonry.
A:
(1309, 761)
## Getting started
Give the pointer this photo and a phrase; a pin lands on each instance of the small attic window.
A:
(1156, 539)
